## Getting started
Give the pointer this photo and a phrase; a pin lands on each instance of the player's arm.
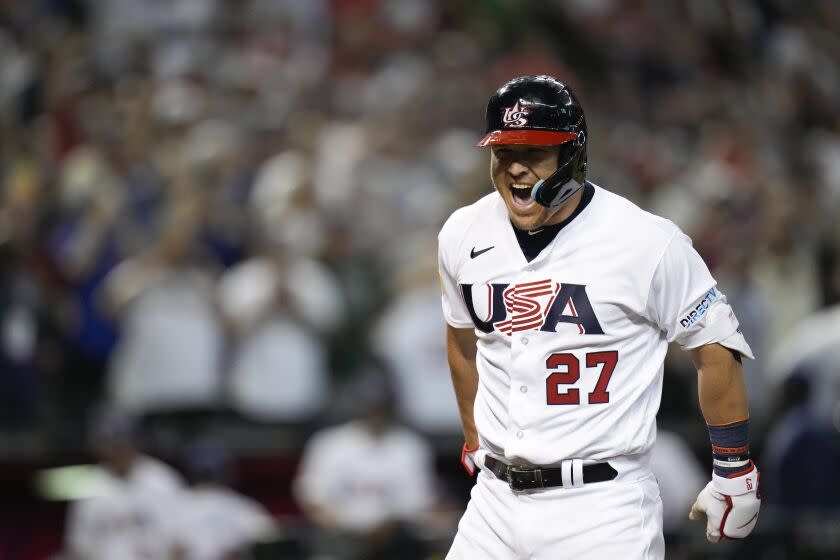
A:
(720, 384)
(686, 303)
(461, 338)
(730, 501)
(460, 352)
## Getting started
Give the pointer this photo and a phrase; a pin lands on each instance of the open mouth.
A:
(521, 194)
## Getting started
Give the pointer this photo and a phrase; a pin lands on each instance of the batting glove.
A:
(731, 506)
(468, 459)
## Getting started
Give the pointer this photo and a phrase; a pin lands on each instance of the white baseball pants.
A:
(616, 519)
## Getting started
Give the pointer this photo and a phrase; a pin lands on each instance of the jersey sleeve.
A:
(454, 309)
(686, 304)
(312, 484)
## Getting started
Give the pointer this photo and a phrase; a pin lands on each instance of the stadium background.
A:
(325, 142)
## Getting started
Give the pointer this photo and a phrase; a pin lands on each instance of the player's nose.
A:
(517, 169)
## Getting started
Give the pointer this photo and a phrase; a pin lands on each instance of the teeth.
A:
(520, 186)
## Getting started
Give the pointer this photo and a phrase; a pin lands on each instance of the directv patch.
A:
(700, 309)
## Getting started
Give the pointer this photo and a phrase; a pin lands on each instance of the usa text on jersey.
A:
(541, 305)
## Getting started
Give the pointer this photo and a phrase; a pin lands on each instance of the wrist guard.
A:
(731, 448)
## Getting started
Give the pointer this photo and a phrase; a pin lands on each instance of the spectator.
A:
(85, 246)
(365, 483)
(812, 349)
(409, 339)
(278, 366)
(786, 274)
(798, 432)
(288, 233)
(736, 280)
(807, 420)
(22, 323)
(128, 516)
(211, 521)
(168, 356)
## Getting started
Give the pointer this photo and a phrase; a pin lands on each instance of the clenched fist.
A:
(731, 506)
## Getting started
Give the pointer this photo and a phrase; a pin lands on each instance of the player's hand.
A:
(469, 459)
(731, 506)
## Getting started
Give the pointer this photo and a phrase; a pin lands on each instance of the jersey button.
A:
(525, 340)
(519, 434)
(523, 389)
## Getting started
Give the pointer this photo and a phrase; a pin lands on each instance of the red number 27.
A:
(571, 374)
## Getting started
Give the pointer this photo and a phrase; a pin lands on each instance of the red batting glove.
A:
(468, 459)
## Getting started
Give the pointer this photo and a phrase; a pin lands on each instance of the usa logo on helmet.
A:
(516, 116)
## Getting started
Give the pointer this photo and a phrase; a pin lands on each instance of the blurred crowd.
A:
(221, 205)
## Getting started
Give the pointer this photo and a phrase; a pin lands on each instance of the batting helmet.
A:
(541, 110)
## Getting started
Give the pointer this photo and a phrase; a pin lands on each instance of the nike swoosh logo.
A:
(534, 232)
(474, 253)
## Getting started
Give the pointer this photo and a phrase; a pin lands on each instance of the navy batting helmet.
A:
(541, 110)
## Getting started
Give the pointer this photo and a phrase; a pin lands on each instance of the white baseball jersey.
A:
(128, 519)
(214, 523)
(365, 480)
(571, 345)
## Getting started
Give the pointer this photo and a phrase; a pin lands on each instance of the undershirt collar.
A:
(532, 243)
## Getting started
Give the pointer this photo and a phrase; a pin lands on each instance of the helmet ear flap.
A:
(569, 177)
(553, 192)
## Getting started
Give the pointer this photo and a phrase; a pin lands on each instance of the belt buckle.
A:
(524, 478)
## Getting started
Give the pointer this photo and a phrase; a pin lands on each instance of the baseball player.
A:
(561, 298)
(128, 516)
(211, 521)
